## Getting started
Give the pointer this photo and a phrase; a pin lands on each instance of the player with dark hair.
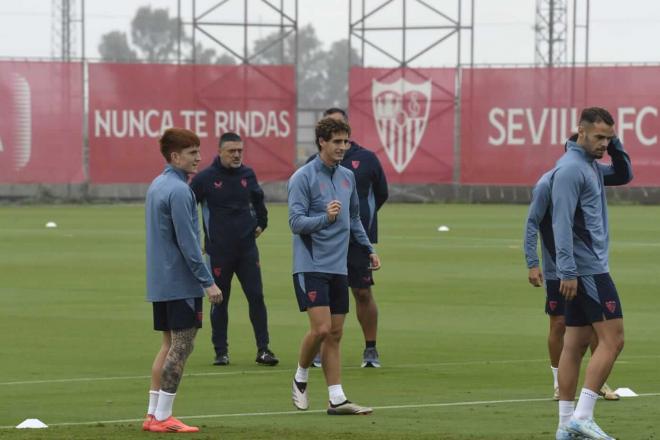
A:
(234, 216)
(372, 193)
(580, 230)
(323, 213)
(539, 223)
(177, 277)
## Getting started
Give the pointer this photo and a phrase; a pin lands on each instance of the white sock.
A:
(302, 374)
(164, 408)
(566, 408)
(554, 375)
(585, 406)
(336, 393)
(153, 402)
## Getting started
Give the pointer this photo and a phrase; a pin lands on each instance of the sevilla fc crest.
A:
(611, 306)
(244, 183)
(401, 111)
(312, 295)
(355, 164)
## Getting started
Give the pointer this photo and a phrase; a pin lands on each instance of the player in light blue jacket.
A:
(324, 211)
(580, 229)
(539, 223)
(176, 275)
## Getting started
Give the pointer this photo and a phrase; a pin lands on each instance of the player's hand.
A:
(535, 277)
(258, 231)
(568, 288)
(214, 294)
(332, 210)
(374, 262)
(611, 147)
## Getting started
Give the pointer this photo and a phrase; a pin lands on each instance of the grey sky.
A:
(620, 31)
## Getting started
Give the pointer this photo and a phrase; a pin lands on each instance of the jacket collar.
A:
(320, 165)
(573, 146)
(218, 165)
(171, 169)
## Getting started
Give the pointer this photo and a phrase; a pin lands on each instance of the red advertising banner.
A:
(406, 116)
(130, 105)
(514, 122)
(41, 115)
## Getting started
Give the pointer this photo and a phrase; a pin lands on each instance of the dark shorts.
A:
(584, 310)
(554, 301)
(318, 289)
(359, 274)
(178, 315)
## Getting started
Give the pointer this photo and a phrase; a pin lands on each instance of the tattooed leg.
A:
(182, 346)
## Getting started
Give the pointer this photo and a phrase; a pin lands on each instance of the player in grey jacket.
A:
(539, 223)
(176, 275)
(580, 228)
(323, 213)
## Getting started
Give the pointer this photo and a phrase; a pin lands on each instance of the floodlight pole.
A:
(85, 93)
(403, 35)
(577, 26)
(178, 31)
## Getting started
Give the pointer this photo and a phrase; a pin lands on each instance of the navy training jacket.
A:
(232, 205)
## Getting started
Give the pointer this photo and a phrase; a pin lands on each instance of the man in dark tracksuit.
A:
(234, 215)
(372, 192)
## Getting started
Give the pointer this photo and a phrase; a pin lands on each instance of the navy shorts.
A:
(178, 314)
(319, 289)
(585, 309)
(554, 301)
(359, 274)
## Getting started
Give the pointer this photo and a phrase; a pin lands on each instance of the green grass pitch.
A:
(462, 335)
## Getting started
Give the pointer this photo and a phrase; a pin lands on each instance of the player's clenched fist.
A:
(332, 209)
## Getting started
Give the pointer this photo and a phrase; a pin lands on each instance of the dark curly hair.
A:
(327, 127)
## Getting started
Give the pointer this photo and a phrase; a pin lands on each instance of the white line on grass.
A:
(317, 411)
(288, 371)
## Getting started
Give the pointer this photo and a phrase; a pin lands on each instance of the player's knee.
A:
(363, 296)
(617, 343)
(336, 334)
(557, 334)
(182, 351)
(321, 332)
(557, 326)
(578, 346)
